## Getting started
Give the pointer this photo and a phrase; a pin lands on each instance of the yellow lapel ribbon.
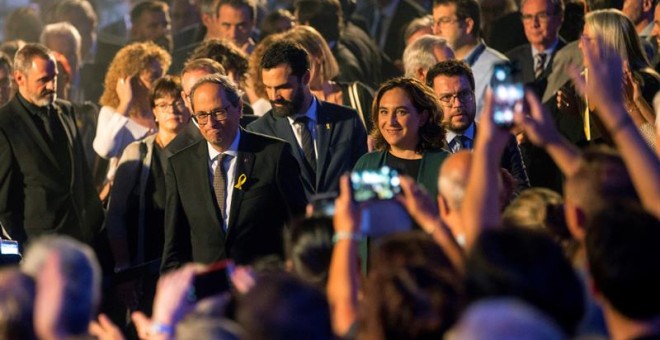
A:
(241, 180)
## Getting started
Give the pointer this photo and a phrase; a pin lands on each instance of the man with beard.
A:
(45, 185)
(328, 138)
(453, 83)
(151, 22)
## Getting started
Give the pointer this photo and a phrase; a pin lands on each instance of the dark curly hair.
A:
(431, 133)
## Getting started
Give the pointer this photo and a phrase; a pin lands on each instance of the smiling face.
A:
(398, 120)
(458, 115)
(38, 84)
(210, 97)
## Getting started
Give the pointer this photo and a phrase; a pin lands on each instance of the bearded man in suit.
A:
(45, 185)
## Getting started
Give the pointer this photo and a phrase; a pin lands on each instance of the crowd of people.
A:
(192, 171)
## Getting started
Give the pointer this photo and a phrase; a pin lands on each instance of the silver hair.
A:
(232, 91)
(63, 29)
(82, 276)
(419, 54)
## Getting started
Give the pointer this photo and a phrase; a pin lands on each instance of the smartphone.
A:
(213, 281)
(507, 95)
(323, 205)
(381, 184)
(9, 247)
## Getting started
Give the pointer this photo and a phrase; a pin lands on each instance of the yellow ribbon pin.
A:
(241, 180)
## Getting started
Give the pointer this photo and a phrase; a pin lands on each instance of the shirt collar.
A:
(469, 132)
(232, 150)
(33, 109)
(548, 51)
(310, 113)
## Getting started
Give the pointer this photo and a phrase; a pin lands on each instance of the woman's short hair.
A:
(431, 132)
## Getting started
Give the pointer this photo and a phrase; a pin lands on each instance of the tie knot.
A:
(540, 57)
(460, 142)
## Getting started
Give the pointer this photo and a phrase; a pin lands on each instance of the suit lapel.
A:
(244, 164)
(324, 129)
(284, 131)
(528, 65)
(36, 135)
(200, 169)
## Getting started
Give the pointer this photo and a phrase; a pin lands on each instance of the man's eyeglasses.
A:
(177, 105)
(541, 17)
(463, 96)
(219, 114)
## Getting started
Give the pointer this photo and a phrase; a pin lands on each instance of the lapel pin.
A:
(241, 180)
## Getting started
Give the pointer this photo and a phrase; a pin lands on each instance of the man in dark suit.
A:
(229, 195)
(328, 139)
(453, 82)
(45, 185)
(541, 22)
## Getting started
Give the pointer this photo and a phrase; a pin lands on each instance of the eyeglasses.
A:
(445, 21)
(175, 105)
(463, 96)
(541, 17)
(219, 114)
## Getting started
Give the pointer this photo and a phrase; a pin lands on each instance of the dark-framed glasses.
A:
(219, 114)
(463, 96)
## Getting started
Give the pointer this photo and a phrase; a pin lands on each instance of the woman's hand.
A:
(125, 93)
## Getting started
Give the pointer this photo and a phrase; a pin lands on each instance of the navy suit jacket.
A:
(341, 141)
(270, 196)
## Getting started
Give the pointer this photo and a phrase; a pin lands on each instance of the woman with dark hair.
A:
(408, 135)
(137, 201)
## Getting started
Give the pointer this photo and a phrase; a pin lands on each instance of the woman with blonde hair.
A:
(126, 114)
(640, 81)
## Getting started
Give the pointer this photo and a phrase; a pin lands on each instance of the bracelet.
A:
(160, 328)
(346, 235)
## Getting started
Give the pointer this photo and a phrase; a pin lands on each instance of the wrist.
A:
(346, 235)
(157, 329)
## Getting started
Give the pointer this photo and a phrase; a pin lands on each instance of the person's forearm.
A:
(564, 154)
(642, 164)
(481, 206)
(343, 285)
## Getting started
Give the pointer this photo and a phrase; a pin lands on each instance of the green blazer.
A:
(428, 169)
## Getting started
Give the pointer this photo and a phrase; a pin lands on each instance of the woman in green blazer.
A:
(407, 132)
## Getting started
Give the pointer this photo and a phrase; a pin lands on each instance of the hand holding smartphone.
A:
(213, 281)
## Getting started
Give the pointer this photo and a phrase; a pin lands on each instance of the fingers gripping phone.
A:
(507, 95)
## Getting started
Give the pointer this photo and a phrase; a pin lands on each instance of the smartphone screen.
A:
(507, 95)
(9, 247)
(323, 205)
(381, 184)
(213, 281)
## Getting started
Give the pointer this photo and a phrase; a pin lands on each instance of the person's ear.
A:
(19, 78)
(306, 78)
(443, 206)
(469, 26)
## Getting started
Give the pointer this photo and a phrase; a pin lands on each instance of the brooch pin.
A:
(241, 180)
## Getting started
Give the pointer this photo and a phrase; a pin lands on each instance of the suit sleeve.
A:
(289, 183)
(359, 140)
(177, 249)
(512, 161)
(9, 213)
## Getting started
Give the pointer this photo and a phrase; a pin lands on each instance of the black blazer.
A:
(270, 196)
(341, 141)
(37, 195)
(405, 12)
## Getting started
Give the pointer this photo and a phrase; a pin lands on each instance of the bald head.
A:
(453, 178)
